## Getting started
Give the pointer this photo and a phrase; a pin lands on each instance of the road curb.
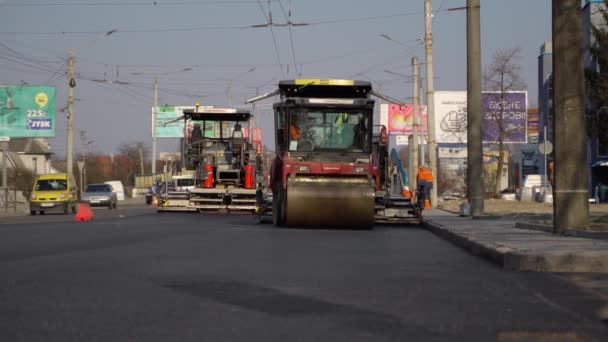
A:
(567, 232)
(573, 260)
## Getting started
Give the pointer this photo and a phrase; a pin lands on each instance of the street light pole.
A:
(154, 109)
(430, 97)
(474, 128)
(415, 123)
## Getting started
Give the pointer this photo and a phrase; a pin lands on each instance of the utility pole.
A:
(420, 121)
(474, 128)
(415, 123)
(430, 97)
(571, 202)
(83, 172)
(141, 159)
(70, 130)
(154, 109)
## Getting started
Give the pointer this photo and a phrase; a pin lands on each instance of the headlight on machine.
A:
(33, 196)
(302, 168)
(62, 196)
(360, 169)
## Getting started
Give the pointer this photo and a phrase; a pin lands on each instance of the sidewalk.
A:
(499, 240)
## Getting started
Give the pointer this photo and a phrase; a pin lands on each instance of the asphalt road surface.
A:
(135, 275)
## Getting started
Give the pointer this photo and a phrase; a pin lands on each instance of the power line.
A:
(217, 28)
(185, 29)
(125, 4)
(274, 40)
(369, 18)
(293, 51)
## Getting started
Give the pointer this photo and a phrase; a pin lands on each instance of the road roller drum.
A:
(340, 202)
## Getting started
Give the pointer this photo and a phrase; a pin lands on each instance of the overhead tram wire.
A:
(293, 51)
(216, 28)
(274, 40)
(129, 4)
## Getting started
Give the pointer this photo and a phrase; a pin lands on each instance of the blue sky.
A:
(214, 43)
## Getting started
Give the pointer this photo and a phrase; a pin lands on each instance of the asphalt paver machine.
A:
(225, 160)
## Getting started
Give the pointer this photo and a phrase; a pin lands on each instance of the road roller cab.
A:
(323, 174)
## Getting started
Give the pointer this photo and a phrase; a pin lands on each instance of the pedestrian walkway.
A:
(499, 240)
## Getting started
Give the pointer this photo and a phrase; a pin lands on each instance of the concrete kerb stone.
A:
(573, 260)
(567, 232)
(494, 254)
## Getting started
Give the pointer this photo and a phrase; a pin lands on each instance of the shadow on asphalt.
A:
(286, 305)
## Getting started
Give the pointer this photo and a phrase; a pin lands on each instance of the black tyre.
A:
(32, 212)
(41, 212)
(278, 209)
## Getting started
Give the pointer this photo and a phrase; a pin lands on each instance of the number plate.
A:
(46, 205)
(94, 201)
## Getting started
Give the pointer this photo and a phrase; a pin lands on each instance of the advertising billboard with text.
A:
(176, 129)
(451, 116)
(508, 110)
(27, 111)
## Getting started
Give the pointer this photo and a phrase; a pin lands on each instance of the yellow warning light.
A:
(324, 81)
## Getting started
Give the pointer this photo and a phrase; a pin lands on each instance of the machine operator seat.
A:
(237, 140)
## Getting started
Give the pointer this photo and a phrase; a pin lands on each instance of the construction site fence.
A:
(147, 180)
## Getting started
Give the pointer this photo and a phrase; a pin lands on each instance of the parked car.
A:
(101, 194)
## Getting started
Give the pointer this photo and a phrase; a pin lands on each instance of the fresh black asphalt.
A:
(136, 275)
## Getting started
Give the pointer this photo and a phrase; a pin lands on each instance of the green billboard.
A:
(27, 111)
(176, 129)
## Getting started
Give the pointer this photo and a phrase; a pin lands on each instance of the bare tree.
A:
(502, 76)
(134, 152)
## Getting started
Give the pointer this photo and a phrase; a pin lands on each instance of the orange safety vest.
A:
(424, 174)
(295, 132)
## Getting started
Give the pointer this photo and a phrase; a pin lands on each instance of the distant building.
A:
(593, 14)
(545, 91)
(31, 154)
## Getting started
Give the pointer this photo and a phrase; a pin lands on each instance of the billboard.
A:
(533, 126)
(27, 111)
(512, 107)
(399, 119)
(451, 116)
(176, 129)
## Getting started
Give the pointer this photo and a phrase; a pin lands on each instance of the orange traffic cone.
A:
(84, 212)
(427, 204)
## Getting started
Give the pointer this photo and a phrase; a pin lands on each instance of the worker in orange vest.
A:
(295, 131)
(425, 181)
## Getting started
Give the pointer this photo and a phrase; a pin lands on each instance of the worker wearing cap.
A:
(425, 181)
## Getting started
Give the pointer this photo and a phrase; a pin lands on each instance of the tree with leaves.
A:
(596, 84)
(502, 76)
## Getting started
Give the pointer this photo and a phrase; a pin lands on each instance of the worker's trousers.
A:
(426, 188)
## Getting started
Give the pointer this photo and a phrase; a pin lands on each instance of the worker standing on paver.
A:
(425, 181)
